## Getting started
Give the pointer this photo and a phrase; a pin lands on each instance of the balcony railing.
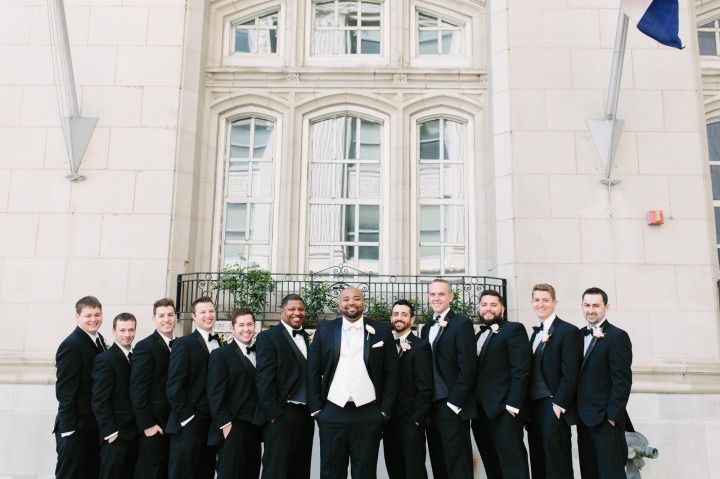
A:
(263, 293)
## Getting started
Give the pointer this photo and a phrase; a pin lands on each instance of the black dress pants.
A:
(500, 443)
(550, 443)
(78, 456)
(603, 451)
(153, 455)
(404, 448)
(288, 444)
(449, 443)
(239, 454)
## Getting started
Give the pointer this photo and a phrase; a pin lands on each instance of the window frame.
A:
(467, 28)
(232, 58)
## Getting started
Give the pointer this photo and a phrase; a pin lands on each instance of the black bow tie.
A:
(484, 328)
(437, 318)
(537, 329)
(587, 331)
(250, 349)
(397, 341)
(130, 354)
(216, 337)
(301, 332)
(170, 343)
(99, 344)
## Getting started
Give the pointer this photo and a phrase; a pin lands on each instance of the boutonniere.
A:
(370, 330)
(310, 338)
(545, 337)
(494, 328)
(442, 323)
(598, 333)
(404, 346)
(222, 341)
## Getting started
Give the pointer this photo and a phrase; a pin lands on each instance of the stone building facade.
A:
(397, 136)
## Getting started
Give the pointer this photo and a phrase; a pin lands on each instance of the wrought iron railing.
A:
(321, 289)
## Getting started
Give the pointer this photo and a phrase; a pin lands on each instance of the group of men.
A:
(196, 407)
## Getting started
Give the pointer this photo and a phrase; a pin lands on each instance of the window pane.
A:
(369, 223)
(260, 222)
(454, 260)
(350, 137)
(323, 180)
(370, 42)
(713, 135)
(240, 139)
(430, 260)
(242, 41)
(262, 182)
(238, 179)
(259, 254)
(715, 175)
(429, 181)
(263, 144)
(430, 140)
(347, 13)
(707, 43)
(350, 41)
(235, 221)
(350, 180)
(451, 42)
(717, 224)
(370, 14)
(349, 223)
(426, 21)
(233, 252)
(324, 14)
(453, 140)
(428, 42)
(454, 224)
(369, 181)
(369, 253)
(324, 223)
(369, 140)
(707, 25)
(429, 223)
(452, 181)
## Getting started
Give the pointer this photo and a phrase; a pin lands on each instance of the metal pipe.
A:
(62, 42)
(617, 66)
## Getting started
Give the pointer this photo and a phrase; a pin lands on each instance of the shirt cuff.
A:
(66, 434)
(513, 410)
(562, 410)
(184, 423)
(454, 408)
(111, 435)
(316, 412)
(226, 425)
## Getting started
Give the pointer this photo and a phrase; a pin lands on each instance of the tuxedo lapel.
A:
(161, 342)
(366, 346)
(243, 359)
(291, 342)
(541, 346)
(593, 341)
(337, 342)
(201, 340)
(484, 347)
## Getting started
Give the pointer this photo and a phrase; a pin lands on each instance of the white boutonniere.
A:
(545, 337)
(370, 330)
(598, 333)
(494, 328)
(442, 323)
(404, 345)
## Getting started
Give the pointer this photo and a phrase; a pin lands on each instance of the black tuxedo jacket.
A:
(504, 368)
(454, 356)
(230, 389)
(187, 381)
(605, 378)
(380, 362)
(281, 366)
(148, 377)
(74, 362)
(111, 394)
(560, 360)
(415, 386)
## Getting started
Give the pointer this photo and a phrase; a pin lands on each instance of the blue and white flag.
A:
(657, 19)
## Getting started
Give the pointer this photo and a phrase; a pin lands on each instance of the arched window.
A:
(257, 35)
(249, 191)
(713, 138)
(442, 211)
(344, 193)
(347, 27)
(437, 36)
(709, 38)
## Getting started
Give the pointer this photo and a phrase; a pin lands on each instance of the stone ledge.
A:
(649, 376)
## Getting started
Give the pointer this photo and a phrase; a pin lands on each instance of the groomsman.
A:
(189, 420)
(352, 384)
(603, 392)
(111, 402)
(233, 401)
(148, 377)
(76, 432)
(282, 387)
(557, 351)
(404, 433)
(451, 336)
(503, 374)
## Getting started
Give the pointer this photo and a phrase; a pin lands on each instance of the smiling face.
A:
(124, 332)
(204, 316)
(165, 320)
(243, 328)
(594, 308)
(490, 308)
(439, 296)
(543, 304)
(89, 319)
(402, 318)
(351, 303)
(293, 313)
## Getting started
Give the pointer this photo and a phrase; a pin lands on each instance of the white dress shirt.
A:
(243, 349)
(211, 345)
(352, 381)
(435, 328)
(402, 337)
(588, 339)
(546, 324)
(166, 339)
(298, 339)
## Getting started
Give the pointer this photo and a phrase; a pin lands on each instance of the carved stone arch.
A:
(707, 11)
(384, 107)
(226, 104)
(712, 109)
(463, 103)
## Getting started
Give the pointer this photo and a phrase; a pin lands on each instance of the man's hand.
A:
(112, 438)
(151, 431)
(226, 430)
(557, 410)
(612, 423)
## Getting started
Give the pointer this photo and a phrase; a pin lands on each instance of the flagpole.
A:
(606, 131)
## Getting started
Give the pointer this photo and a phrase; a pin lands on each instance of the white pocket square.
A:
(379, 344)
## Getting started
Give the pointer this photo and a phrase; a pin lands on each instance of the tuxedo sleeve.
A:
(422, 375)
(102, 390)
(68, 364)
(390, 375)
(314, 371)
(620, 362)
(266, 359)
(520, 359)
(217, 383)
(467, 363)
(141, 375)
(178, 375)
(570, 356)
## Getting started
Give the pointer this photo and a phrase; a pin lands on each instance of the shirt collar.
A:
(403, 336)
(166, 339)
(243, 346)
(125, 351)
(442, 315)
(598, 325)
(93, 337)
(547, 323)
(203, 333)
(289, 328)
(350, 325)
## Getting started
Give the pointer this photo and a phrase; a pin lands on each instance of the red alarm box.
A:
(656, 217)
